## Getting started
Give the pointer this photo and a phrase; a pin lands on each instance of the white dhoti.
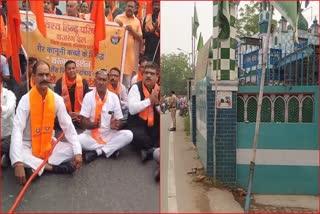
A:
(62, 152)
(114, 139)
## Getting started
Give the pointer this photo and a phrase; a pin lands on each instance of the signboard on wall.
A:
(224, 99)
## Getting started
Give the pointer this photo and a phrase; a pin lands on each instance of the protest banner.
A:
(70, 38)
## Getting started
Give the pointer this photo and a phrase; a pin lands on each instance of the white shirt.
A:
(135, 104)
(123, 96)
(8, 105)
(134, 79)
(21, 133)
(88, 109)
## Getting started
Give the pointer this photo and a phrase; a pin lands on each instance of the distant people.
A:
(112, 10)
(33, 131)
(142, 63)
(26, 85)
(173, 109)
(72, 87)
(118, 88)
(144, 116)
(84, 8)
(8, 105)
(101, 117)
(132, 24)
(151, 33)
(5, 72)
(50, 6)
(73, 9)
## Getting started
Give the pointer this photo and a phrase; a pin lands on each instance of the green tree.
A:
(247, 23)
(175, 71)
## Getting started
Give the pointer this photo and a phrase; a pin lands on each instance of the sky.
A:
(176, 23)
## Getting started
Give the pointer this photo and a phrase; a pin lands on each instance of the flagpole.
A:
(257, 128)
(27, 46)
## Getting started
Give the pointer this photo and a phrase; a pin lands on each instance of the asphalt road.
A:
(104, 185)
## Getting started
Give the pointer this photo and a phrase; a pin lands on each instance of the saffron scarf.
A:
(116, 91)
(149, 26)
(78, 98)
(42, 114)
(148, 113)
(99, 104)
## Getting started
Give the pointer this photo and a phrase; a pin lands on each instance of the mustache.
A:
(45, 82)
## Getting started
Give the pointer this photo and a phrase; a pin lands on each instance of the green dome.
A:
(302, 23)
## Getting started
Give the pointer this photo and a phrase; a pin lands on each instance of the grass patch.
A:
(187, 125)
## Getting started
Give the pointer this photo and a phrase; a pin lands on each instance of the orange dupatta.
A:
(42, 114)
(149, 26)
(99, 104)
(148, 113)
(116, 91)
(139, 76)
(78, 98)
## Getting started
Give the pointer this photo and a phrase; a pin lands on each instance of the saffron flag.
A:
(223, 20)
(98, 17)
(195, 23)
(200, 42)
(37, 8)
(290, 10)
(14, 37)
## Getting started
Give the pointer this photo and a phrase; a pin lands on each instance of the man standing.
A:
(173, 109)
(118, 88)
(72, 88)
(144, 116)
(100, 116)
(151, 33)
(33, 131)
(132, 24)
(8, 105)
(112, 10)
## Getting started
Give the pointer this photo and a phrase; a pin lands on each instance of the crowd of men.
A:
(96, 123)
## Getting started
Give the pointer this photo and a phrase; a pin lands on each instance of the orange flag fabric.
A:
(37, 8)
(3, 45)
(98, 16)
(14, 37)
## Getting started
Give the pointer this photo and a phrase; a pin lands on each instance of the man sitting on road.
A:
(118, 88)
(8, 105)
(144, 116)
(33, 131)
(101, 117)
(72, 88)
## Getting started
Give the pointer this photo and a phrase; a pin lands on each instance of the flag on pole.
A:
(200, 42)
(195, 23)
(290, 11)
(223, 20)
(37, 8)
(14, 37)
(98, 17)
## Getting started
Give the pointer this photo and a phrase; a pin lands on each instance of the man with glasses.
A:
(144, 116)
(118, 88)
(101, 117)
(138, 77)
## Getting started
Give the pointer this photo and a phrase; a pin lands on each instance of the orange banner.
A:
(71, 38)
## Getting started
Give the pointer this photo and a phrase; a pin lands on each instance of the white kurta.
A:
(8, 105)
(21, 150)
(135, 104)
(114, 139)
